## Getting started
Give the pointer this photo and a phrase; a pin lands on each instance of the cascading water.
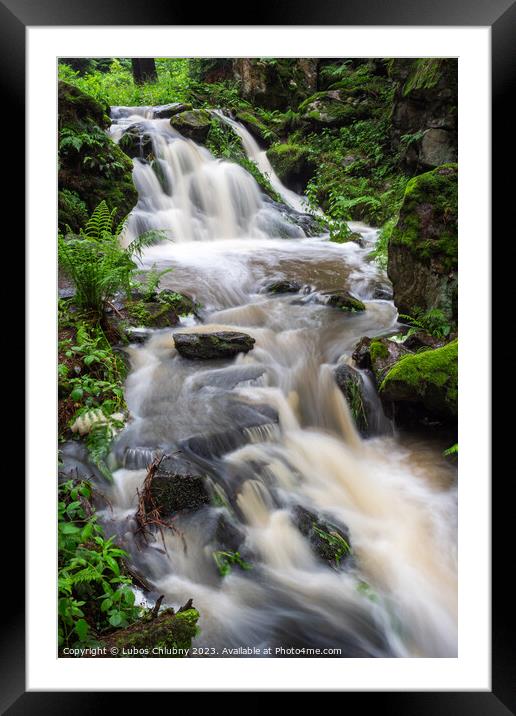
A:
(273, 431)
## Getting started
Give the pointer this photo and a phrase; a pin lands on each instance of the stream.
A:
(273, 430)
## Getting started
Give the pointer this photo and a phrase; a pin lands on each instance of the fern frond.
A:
(100, 222)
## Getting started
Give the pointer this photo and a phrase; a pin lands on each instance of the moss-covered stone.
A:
(263, 134)
(194, 124)
(168, 635)
(422, 253)
(377, 355)
(293, 164)
(351, 384)
(335, 108)
(429, 378)
(343, 300)
(92, 167)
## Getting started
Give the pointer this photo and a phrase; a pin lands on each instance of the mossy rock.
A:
(94, 169)
(194, 124)
(263, 135)
(335, 108)
(168, 635)
(343, 300)
(377, 354)
(77, 107)
(422, 252)
(283, 286)
(428, 378)
(294, 165)
(351, 384)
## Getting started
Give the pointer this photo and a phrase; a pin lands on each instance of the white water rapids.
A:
(396, 495)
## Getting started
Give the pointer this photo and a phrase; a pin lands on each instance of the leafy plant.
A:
(339, 544)
(93, 594)
(433, 322)
(226, 560)
(453, 450)
(96, 262)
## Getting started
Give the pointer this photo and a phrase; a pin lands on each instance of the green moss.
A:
(428, 216)
(378, 351)
(72, 211)
(430, 377)
(168, 631)
(292, 163)
(256, 126)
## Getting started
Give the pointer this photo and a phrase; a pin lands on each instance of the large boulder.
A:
(426, 380)
(422, 253)
(194, 124)
(92, 167)
(278, 83)
(206, 346)
(293, 164)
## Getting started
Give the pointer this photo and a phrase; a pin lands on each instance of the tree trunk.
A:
(144, 70)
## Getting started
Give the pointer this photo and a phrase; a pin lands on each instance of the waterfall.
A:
(272, 430)
(189, 195)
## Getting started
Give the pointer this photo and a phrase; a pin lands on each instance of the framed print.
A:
(244, 300)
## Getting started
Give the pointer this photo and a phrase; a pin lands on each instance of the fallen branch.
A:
(148, 514)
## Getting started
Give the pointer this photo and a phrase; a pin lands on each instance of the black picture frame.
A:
(500, 16)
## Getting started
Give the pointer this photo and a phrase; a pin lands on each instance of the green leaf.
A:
(115, 619)
(77, 394)
(82, 629)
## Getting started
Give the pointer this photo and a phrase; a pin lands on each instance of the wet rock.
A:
(329, 543)
(165, 111)
(351, 384)
(383, 293)
(343, 300)
(283, 287)
(194, 124)
(206, 346)
(377, 354)
(180, 487)
(419, 340)
(228, 534)
(181, 303)
(135, 142)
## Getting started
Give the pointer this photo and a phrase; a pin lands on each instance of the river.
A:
(297, 445)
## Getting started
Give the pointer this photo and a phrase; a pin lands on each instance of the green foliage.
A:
(432, 321)
(453, 450)
(92, 148)
(117, 86)
(225, 144)
(95, 261)
(226, 560)
(94, 596)
(339, 545)
(356, 404)
(152, 281)
(425, 74)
